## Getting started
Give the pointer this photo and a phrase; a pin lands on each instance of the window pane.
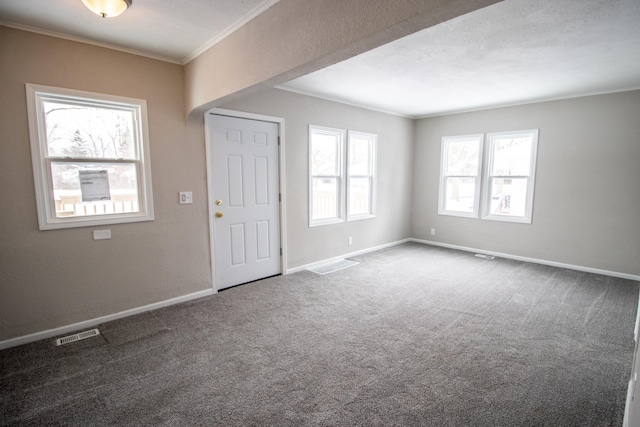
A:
(324, 155)
(508, 196)
(359, 156)
(325, 198)
(77, 193)
(462, 158)
(93, 157)
(359, 196)
(81, 131)
(512, 156)
(460, 194)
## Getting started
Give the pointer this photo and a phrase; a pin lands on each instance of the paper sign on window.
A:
(94, 185)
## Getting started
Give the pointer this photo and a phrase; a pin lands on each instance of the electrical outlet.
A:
(350, 240)
(186, 197)
(433, 231)
(101, 234)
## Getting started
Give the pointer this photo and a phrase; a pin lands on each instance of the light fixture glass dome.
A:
(107, 8)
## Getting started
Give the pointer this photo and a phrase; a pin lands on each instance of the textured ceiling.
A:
(173, 30)
(513, 52)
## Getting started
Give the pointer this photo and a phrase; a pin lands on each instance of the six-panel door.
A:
(246, 199)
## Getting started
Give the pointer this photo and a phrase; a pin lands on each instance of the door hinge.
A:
(278, 141)
(280, 197)
(280, 251)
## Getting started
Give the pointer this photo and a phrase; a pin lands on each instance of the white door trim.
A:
(282, 184)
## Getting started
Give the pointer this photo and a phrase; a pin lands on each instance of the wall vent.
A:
(485, 256)
(77, 337)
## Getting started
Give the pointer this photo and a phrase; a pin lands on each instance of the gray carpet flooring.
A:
(414, 335)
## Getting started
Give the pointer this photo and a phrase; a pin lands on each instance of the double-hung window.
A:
(360, 175)
(505, 191)
(326, 147)
(90, 157)
(509, 176)
(342, 175)
(460, 176)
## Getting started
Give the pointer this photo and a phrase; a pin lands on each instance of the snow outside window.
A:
(90, 158)
(504, 192)
(509, 176)
(342, 170)
(460, 175)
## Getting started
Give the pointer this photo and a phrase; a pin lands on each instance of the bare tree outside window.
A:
(511, 157)
(92, 149)
(88, 132)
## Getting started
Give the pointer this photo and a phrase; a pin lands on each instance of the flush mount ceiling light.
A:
(107, 8)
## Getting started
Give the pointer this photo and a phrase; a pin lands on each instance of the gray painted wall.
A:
(586, 210)
(51, 279)
(55, 278)
(394, 184)
(587, 197)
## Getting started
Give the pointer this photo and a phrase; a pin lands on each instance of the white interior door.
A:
(245, 194)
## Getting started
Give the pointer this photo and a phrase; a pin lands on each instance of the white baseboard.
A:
(341, 257)
(466, 249)
(14, 342)
(532, 260)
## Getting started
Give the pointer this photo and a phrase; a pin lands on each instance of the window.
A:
(360, 175)
(509, 176)
(90, 158)
(460, 175)
(508, 162)
(325, 163)
(331, 159)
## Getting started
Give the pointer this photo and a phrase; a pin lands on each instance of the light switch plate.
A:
(186, 197)
(101, 234)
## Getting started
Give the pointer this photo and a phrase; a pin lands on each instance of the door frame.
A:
(282, 182)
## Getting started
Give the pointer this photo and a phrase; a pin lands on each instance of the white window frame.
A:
(488, 177)
(341, 135)
(373, 139)
(342, 198)
(47, 220)
(444, 176)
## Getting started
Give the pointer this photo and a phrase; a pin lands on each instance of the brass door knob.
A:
(219, 214)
